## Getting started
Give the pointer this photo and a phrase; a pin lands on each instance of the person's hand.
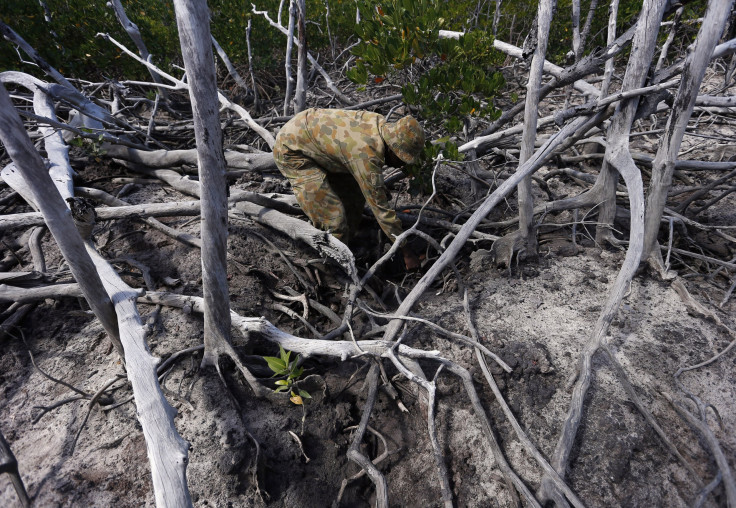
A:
(411, 261)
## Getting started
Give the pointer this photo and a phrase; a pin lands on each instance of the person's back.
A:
(334, 161)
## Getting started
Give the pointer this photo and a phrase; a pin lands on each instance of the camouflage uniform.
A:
(334, 160)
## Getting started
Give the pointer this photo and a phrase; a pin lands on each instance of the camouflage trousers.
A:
(332, 201)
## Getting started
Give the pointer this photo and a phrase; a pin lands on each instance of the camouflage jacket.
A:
(343, 141)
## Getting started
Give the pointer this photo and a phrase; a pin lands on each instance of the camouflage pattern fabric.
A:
(334, 160)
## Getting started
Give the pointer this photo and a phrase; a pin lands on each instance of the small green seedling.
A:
(290, 371)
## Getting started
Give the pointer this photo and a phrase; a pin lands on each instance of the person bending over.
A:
(334, 159)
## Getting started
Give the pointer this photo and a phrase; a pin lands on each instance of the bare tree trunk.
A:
(664, 162)
(300, 98)
(135, 34)
(192, 18)
(256, 104)
(618, 156)
(588, 23)
(526, 198)
(576, 46)
(287, 64)
(608, 176)
(230, 67)
(328, 80)
(496, 17)
(329, 33)
(57, 215)
(670, 38)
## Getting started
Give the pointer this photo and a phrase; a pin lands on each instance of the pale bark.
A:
(550, 68)
(112, 201)
(179, 84)
(300, 94)
(135, 35)
(192, 19)
(172, 158)
(588, 23)
(256, 104)
(287, 59)
(90, 121)
(670, 38)
(525, 195)
(230, 67)
(496, 17)
(618, 156)
(10, 34)
(694, 69)
(171, 209)
(607, 177)
(56, 215)
(322, 242)
(588, 65)
(167, 451)
(328, 80)
(576, 44)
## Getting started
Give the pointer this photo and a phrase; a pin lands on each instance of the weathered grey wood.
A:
(8, 327)
(230, 67)
(618, 156)
(694, 69)
(13, 177)
(10, 34)
(56, 215)
(287, 59)
(173, 158)
(167, 451)
(192, 18)
(531, 112)
(607, 180)
(565, 137)
(719, 102)
(300, 94)
(549, 67)
(324, 243)
(171, 209)
(26, 295)
(588, 24)
(256, 103)
(576, 44)
(181, 85)
(328, 80)
(111, 200)
(135, 35)
(175, 208)
(670, 37)
(720, 51)
(342, 349)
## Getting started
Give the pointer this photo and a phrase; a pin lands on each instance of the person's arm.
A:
(369, 175)
(367, 172)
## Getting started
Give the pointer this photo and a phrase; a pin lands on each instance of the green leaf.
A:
(281, 389)
(305, 394)
(275, 364)
(358, 74)
(282, 382)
